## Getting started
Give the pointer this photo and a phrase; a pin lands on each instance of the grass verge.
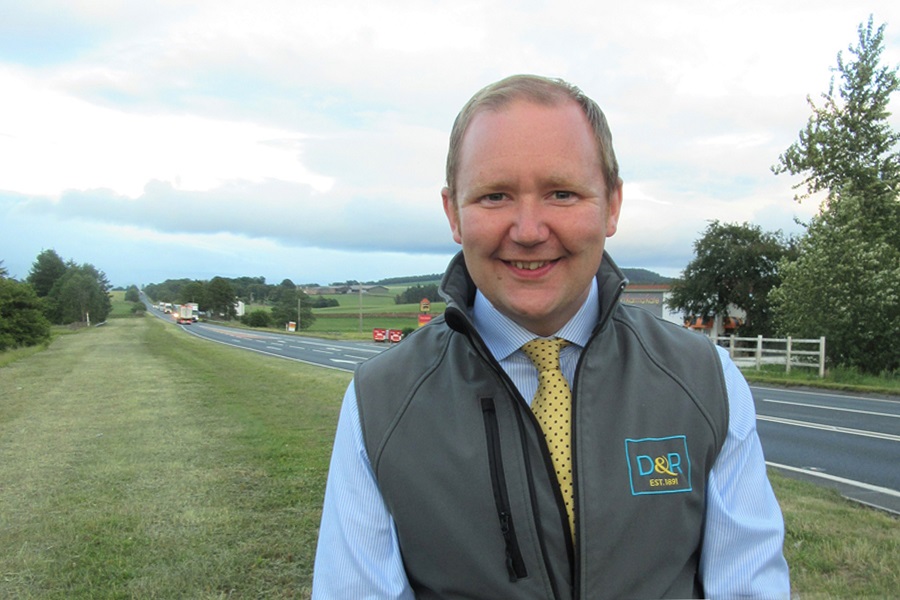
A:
(137, 462)
(836, 379)
(836, 548)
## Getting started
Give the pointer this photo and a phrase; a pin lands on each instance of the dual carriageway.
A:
(850, 442)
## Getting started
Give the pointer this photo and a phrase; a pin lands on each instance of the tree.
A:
(732, 265)
(285, 287)
(80, 295)
(845, 286)
(849, 140)
(414, 294)
(22, 320)
(194, 291)
(285, 310)
(845, 283)
(132, 294)
(220, 298)
(46, 270)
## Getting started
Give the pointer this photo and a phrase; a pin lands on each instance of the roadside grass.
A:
(836, 548)
(120, 308)
(136, 461)
(838, 379)
(139, 462)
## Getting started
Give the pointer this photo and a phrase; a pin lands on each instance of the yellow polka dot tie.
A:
(552, 406)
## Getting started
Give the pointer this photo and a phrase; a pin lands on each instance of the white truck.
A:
(185, 315)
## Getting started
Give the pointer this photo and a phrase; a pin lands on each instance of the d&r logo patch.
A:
(658, 465)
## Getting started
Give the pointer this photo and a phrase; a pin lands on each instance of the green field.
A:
(377, 311)
(140, 462)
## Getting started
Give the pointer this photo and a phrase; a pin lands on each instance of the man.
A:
(447, 482)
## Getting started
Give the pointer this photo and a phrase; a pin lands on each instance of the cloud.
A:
(279, 131)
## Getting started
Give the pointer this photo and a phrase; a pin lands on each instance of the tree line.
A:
(55, 292)
(841, 277)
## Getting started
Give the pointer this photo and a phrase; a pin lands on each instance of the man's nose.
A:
(530, 224)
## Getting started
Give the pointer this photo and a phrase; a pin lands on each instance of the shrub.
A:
(257, 318)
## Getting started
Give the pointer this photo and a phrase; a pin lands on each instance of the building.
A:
(651, 297)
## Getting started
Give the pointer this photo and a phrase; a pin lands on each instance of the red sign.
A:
(379, 335)
(395, 335)
(424, 320)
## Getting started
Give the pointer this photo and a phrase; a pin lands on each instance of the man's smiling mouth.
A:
(530, 265)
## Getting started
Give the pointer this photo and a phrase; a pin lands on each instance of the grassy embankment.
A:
(139, 462)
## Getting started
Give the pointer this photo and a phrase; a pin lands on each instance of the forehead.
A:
(523, 131)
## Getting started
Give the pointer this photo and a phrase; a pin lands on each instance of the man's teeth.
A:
(528, 266)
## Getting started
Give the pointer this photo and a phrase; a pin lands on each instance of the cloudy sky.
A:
(306, 139)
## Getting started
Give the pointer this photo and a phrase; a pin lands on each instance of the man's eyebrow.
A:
(491, 186)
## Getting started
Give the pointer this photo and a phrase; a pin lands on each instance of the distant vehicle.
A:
(185, 314)
(195, 315)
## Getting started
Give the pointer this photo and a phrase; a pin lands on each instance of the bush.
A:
(323, 302)
(22, 321)
(257, 318)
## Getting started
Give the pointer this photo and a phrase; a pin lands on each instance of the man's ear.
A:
(452, 212)
(613, 209)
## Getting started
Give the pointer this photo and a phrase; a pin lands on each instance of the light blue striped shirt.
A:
(358, 555)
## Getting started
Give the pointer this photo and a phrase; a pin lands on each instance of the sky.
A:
(306, 140)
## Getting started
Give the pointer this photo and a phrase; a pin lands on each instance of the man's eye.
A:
(494, 197)
(562, 195)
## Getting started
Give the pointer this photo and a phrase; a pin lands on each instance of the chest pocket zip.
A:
(515, 564)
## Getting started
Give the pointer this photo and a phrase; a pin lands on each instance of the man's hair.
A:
(540, 90)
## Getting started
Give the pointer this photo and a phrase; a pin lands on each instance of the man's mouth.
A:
(531, 265)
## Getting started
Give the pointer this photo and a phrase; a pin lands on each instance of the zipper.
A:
(515, 564)
(601, 324)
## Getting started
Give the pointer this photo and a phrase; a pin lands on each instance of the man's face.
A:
(532, 210)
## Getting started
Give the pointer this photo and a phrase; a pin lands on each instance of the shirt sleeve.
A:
(742, 552)
(358, 555)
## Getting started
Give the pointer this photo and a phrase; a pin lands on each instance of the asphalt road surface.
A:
(848, 441)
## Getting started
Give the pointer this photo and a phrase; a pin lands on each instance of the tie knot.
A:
(544, 353)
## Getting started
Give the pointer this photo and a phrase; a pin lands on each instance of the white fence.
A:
(758, 351)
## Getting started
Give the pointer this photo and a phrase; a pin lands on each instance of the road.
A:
(343, 356)
(848, 442)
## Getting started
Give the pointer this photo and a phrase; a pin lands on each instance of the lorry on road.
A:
(195, 311)
(185, 315)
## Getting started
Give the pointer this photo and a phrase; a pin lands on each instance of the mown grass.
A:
(139, 462)
(838, 379)
(836, 548)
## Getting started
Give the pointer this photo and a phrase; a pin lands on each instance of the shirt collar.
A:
(503, 336)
